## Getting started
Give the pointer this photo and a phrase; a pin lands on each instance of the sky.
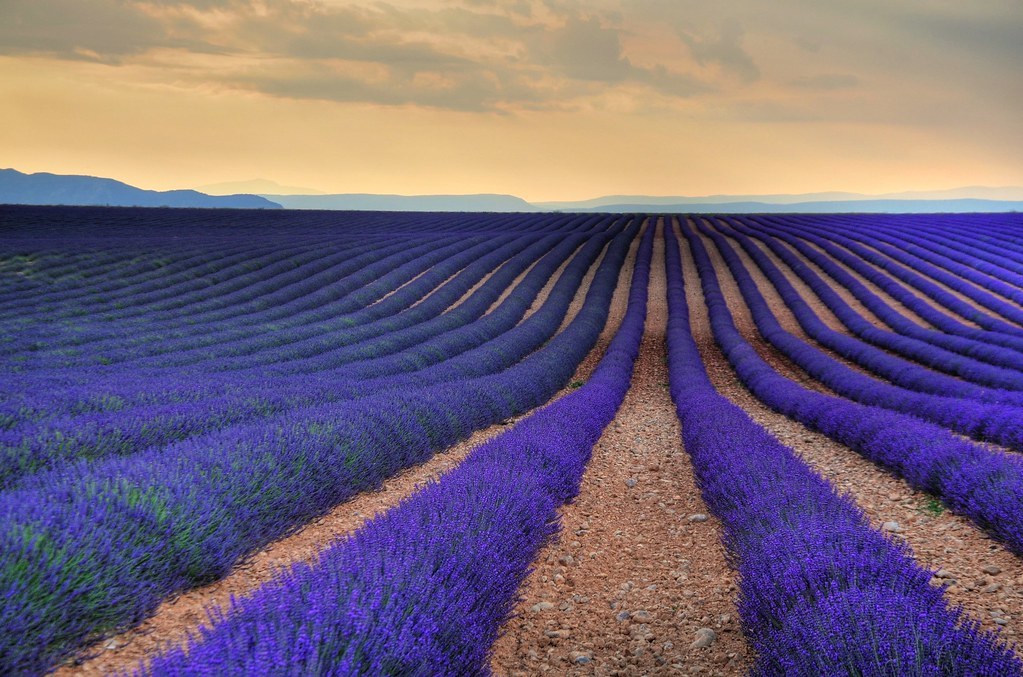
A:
(544, 99)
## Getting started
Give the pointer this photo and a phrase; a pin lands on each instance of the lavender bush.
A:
(820, 592)
(424, 588)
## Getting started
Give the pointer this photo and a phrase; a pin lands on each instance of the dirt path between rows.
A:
(987, 579)
(788, 320)
(957, 294)
(829, 318)
(632, 578)
(177, 618)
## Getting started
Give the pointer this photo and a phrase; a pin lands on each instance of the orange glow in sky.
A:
(547, 100)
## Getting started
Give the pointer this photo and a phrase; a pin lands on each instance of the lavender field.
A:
(757, 444)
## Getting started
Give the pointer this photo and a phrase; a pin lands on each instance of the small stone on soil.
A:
(580, 657)
(704, 638)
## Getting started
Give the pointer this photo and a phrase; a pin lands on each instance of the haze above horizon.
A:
(545, 99)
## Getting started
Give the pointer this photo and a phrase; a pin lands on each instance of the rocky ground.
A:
(178, 618)
(637, 583)
(985, 578)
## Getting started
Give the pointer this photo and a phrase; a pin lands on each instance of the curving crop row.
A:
(999, 280)
(913, 278)
(469, 349)
(998, 423)
(879, 358)
(70, 278)
(451, 333)
(424, 588)
(953, 338)
(328, 314)
(982, 484)
(224, 294)
(351, 281)
(91, 547)
(169, 270)
(985, 332)
(116, 392)
(820, 592)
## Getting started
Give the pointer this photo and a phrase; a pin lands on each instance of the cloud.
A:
(475, 56)
(582, 49)
(100, 30)
(586, 50)
(826, 81)
(724, 50)
(490, 55)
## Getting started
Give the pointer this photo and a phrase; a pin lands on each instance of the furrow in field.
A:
(781, 311)
(904, 362)
(306, 393)
(631, 578)
(965, 294)
(979, 272)
(744, 321)
(911, 357)
(825, 313)
(966, 337)
(909, 290)
(177, 619)
(897, 305)
(985, 414)
(940, 540)
(883, 260)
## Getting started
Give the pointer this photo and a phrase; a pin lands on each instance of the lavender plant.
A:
(424, 588)
(820, 592)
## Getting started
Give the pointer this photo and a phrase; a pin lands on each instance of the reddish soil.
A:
(631, 578)
(176, 619)
(942, 285)
(939, 540)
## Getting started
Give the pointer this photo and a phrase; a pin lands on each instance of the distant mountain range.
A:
(1005, 194)
(54, 189)
(863, 205)
(255, 187)
(57, 189)
(407, 203)
(957, 200)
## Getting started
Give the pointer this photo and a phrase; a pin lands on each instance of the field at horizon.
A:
(250, 441)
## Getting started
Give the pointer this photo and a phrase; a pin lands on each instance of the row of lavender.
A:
(968, 357)
(423, 345)
(94, 544)
(821, 593)
(424, 588)
(936, 305)
(984, 413)
(906, 279)
(981, 483)
(336, 280)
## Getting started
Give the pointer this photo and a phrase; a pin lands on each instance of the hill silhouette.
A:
(58, 189)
